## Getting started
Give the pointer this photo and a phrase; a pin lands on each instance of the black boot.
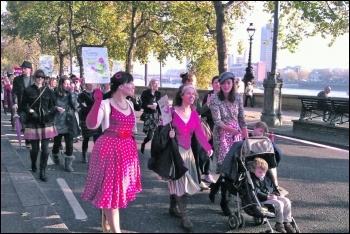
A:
(173, 210)
(84, 158)
(214, 189)
(33, 157)
(43, 165)
(186, 221)
(42, 175)
(143, 147)
(224, 202)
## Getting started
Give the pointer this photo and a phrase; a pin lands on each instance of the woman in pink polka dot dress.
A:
(114, 176)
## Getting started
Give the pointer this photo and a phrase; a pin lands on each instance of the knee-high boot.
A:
(224, 202)
(214, 188)
(173, 210)
(33, 158)
(186, 221)
(84, 157)
(68, 160)
(43, 165)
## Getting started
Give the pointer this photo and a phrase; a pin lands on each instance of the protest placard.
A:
(165, 109)
(95, 62)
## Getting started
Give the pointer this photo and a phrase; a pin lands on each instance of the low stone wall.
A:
(289, 102)
(325, 132)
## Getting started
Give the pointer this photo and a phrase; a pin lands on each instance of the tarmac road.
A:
(317, 178)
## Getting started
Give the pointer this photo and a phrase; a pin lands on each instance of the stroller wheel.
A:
(241, 219)
(233, 221)
(258, 220)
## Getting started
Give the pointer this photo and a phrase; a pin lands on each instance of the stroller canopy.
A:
(259, 147)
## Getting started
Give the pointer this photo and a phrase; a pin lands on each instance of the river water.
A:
(290, 89)
(307, 92)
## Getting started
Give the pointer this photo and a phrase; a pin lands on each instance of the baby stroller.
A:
(239, 182)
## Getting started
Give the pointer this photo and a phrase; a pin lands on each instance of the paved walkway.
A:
(17, 198)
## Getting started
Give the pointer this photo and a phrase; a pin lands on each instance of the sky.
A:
(312, 53)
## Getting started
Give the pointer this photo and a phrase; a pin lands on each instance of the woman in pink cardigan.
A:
(186, 122)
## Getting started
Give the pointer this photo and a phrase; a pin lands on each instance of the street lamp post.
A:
(272, 112)
(249, 76)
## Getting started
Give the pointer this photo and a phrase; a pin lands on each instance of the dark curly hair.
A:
(120, 78)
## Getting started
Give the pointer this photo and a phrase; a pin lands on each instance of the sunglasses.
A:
(43, 77)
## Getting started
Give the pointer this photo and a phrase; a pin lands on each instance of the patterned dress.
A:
(231, 114)
(114, 176)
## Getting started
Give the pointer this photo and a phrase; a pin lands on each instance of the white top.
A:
(104, 112)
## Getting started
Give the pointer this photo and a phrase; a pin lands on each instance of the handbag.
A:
(206, 128)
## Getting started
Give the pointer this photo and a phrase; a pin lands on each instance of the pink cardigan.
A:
(183, 131)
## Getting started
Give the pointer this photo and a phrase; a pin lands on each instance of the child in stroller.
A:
(246, 185)
(268, 194)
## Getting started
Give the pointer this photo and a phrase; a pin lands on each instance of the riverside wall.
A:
(289, 102)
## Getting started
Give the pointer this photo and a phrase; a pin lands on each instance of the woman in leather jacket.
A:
(149, 99)
(65, 122)
(38, 103)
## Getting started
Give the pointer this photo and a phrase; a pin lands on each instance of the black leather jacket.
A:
(148, 99)
(44, 108)
(18, 88)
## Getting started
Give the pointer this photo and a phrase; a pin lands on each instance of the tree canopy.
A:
(134, 30)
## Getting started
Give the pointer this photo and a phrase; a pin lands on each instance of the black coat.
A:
(263, 188)
(44, 108)
(18, 88)
(166, 159)
(86, 101)
(148, 99)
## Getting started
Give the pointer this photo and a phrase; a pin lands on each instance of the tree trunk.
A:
(220, 36)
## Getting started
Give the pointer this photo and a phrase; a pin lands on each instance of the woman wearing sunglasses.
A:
(38, 104)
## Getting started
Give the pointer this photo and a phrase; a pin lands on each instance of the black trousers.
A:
(250, 99)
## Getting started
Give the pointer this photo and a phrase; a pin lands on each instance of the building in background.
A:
(266, 46)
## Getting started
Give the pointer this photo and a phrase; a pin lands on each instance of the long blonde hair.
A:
(151, 82)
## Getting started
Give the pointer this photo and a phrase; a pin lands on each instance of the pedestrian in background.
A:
(249, 90)
(65, 123)
(114, 176)
(229, 126)
(53, 83)
(106, 88)
(19, 84)
(240, 86)
(151, 111)
(38, 103)
(186, 123)
(8, 81)
(76, 81)
(86, 100)
(207, 165)
(324, 94)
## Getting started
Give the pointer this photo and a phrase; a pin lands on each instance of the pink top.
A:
(184, 131)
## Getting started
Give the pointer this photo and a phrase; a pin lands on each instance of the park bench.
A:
(340, 111)
(335, 108)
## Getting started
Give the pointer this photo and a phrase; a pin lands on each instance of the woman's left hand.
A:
(210, 153)
(172, 133)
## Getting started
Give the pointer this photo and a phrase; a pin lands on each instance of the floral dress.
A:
(114, 176)
(228, 113)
